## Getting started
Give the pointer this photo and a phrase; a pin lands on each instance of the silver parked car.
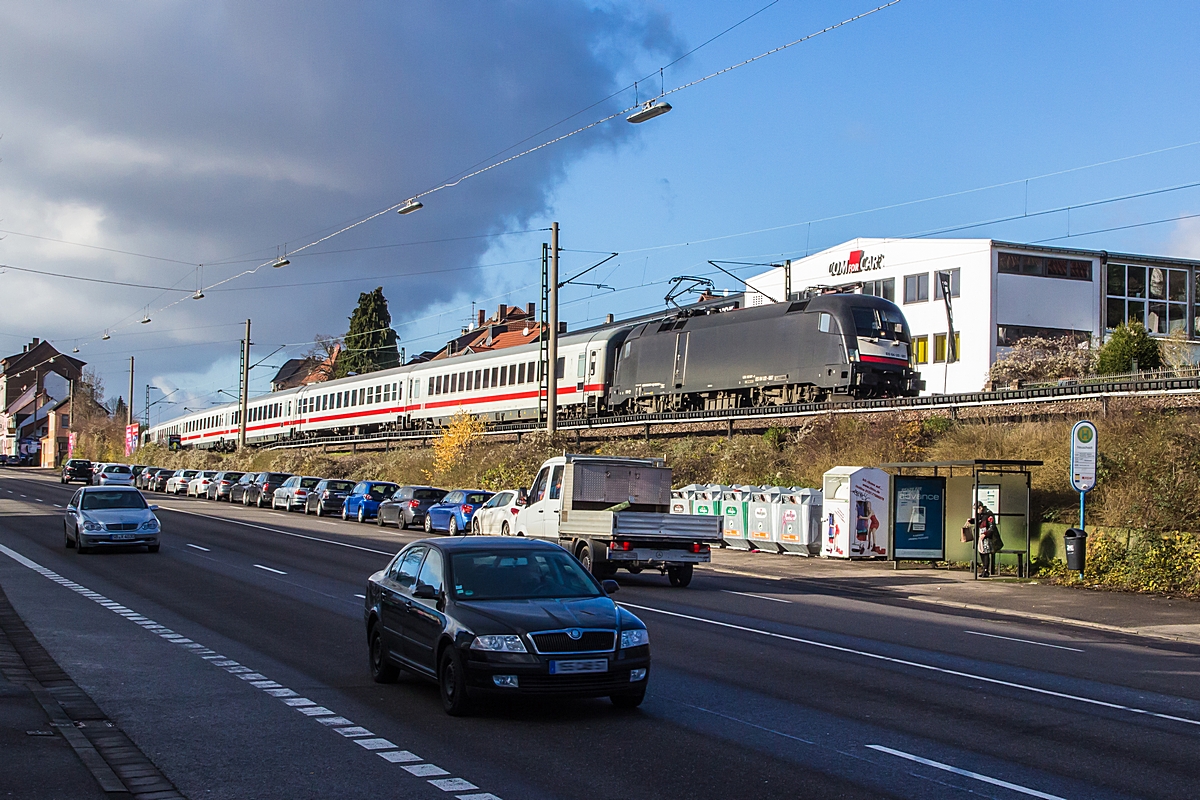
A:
(110, 516)
(115, 475)
(293, 493)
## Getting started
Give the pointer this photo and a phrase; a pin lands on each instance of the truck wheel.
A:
(680, 575)
(585, 557)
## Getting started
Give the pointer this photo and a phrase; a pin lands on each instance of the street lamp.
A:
(649, 110)
(413, 204)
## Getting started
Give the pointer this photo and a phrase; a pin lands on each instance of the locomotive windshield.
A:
(880, 323)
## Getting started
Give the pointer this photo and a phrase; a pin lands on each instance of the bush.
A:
(1128, 342)
(1035, 358)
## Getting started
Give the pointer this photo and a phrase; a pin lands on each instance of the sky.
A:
(175, 146)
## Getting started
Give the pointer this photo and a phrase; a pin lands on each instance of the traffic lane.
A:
(540, 758)
(928, 710)
(1147, 664)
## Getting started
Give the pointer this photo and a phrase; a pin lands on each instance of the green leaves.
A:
(371, 342)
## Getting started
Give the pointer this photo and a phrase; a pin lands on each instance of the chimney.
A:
(608, 319)
(562, 327)
(482, 317)
(502, 313)
(36, 341)
(530, 308)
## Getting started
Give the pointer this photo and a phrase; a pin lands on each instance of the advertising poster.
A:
(989, 495)
(856, 513)
(919, 530)
(71, 438)
(131, 438)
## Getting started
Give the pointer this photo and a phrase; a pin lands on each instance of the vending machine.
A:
(855, 510)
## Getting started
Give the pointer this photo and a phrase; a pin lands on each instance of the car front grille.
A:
(561, 642)
(597, 683)
(121, 526)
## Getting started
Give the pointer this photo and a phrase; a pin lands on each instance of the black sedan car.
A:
(327, 497)
(76, 469)
(487, 616)
(407, 505)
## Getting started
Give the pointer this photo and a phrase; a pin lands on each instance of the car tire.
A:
(67, 543)
(258, 501)
(428, 523)
(152, 548)
(79, 547)
(379, 519)
(382, 671)
(452, 526)
(452, 684)
(345, 516)
(319, 512)
(680, 576)
(362, 514)
(629, 700)
(400, 523)
(504, 529)
(475, 527)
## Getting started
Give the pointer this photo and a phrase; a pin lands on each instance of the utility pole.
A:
(245, 388)
(146, 408)
(552, 349)
(129, 410)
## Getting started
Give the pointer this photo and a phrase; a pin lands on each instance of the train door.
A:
(679, 373)
(831, 350)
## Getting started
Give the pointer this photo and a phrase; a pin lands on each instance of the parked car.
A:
(198, 485)
(262, 489)
(293, 493)
(485, 617)
(76, 469)
(237, 492)
(497, 515)
(96, 469)
(363, 501)
(327, 496)
(142, 479)
(137, 470)
(177, 483)
(407, 505)
(453, 512)
(115, 475)
(158, 481)
(110, 516)
(221, 484)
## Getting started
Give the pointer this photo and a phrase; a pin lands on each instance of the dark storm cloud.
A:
(203, 131)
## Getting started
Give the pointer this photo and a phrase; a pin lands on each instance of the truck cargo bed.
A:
(638, 525)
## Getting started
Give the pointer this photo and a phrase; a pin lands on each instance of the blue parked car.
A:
(363, 502)
(453, 514)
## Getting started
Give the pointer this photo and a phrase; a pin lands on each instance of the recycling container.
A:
(681, 499)
(707, 500)
(735, 503)
(855, 509)
(762, 523)
(800, 521)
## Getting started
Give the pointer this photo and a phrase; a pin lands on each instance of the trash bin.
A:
(800, 521)
(762, 521)
(735, 501)
(707, 500)
(1075, 542)
(681, 499)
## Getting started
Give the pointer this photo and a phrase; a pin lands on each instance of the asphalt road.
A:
(759, 688)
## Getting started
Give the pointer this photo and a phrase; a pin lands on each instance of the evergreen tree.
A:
(1129, 341)
(119, 410)
(370, 344)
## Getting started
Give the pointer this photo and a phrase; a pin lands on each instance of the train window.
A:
(494, 379)
(437, 385)
(581, 369)
(400, 386)
(560, 368)
(503, 376)
(512, 374)
(628, 347)
(487, 376)
(477, 377)
(529, 370)
(824, 322)
(462, 381)
(520, 373)
(878, 323)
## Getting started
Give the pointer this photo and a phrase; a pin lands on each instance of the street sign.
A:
(1083, 456)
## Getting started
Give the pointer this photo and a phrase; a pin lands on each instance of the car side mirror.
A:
(154, 508)
(426, 592)
(610, 586)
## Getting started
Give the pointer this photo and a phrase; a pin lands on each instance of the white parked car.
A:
(115, 475)
(96, 470)
(497, 515)
(177, 483)
(198, 485)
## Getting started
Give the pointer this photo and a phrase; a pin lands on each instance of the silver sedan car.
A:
(110, 516)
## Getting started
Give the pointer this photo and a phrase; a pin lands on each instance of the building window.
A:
(1044, 266)
(885, 288)
(1009, 335)
(955, 275)
(939, 347)
(916, 288)
(920, 349)
(1157, 297)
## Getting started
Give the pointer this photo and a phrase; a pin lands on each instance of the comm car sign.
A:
(1083, 456)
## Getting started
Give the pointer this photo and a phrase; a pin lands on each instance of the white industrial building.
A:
(1000, 292)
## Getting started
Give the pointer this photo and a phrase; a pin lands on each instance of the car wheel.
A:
(680, 575)
(345, 516)
(319, 512)
(152, 548)
(61, 479)
(245, 499)
(258, 501)
(382, 671)
(428, 523)
(585, 557)
(628, 701)
(452, 680)
(362, 513)
(475, 526)
(400, 523)
(504, 531)
(453, 526)
(379, 519)
(67, 543)
(79, 547)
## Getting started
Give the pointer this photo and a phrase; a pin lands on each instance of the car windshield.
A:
(233, 476)
(880, 323)
(339, 486)
(117, 468)
(308, 483)
(519, 574)
(475, 498)
(188, 473)
(100, 501)
(428, 494)
(277, 477)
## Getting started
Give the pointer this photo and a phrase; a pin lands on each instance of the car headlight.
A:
(506, 643)
(150, 524)
(88, 525)
(635, 638)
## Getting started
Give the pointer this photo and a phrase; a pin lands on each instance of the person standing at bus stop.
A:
(987, 539)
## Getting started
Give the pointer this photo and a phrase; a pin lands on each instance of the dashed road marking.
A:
(56, 505)
(965, 773)
(40, 500)
(271, 569)
(284, 533)
(361, 596)
(198, 547)
(1024, 641)
(369, 741)
(757, 596)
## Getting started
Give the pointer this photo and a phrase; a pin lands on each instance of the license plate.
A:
(123, 536)
(577, 667)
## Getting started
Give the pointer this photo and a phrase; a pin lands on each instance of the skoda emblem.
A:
(575, 633)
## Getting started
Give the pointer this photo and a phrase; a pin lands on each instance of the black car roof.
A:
(464, 543)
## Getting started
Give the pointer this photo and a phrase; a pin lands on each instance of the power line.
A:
(90, 280)
(98, 247)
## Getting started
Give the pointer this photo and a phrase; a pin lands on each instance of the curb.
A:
(1079, 623)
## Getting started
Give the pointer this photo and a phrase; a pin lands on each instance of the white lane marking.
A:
(345, 728)
(454, 785)
(361, 596)
(24, 495)
(40, 500)
(285, 533)
(271, 569)
(56, 505)
(1025, 641)
(757, 596)
(198, 547)
(919, 665)
(965, 773)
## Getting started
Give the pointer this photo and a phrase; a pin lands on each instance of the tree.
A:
(1036, 358)
(119, 410)
(1128, 342)
(371, 342)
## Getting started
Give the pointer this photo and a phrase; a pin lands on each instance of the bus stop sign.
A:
(1083, 456)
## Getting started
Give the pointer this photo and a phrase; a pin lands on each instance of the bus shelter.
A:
(933, 506)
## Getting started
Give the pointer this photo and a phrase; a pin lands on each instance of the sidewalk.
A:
(1117, 612)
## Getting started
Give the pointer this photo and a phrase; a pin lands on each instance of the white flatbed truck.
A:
(612, 513)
